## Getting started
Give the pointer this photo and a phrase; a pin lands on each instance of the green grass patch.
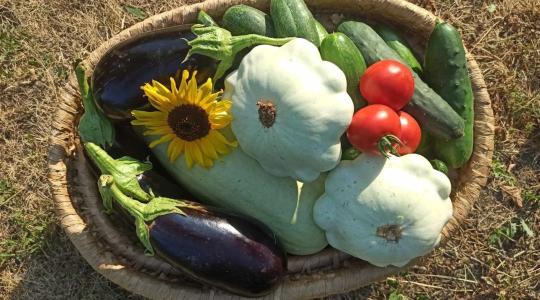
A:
(8, 45)
(27, 236)
(23, 232)
(509, 232)
(525, 110)
(6, 191)
(500, 172)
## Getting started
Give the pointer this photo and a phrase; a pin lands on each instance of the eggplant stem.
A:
(124, 171)
(141, 212)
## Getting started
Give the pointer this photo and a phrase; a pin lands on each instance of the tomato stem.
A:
(387, 145)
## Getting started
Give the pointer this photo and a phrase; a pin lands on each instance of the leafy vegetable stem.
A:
(123, 170)
(205, 19)
(133, 207)
(244, 41)
(84, 88)
(219, 44)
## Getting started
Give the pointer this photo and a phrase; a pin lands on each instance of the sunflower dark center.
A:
(267, 113)
(189, 122)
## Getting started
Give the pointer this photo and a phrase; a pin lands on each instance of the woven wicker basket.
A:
(110, 252)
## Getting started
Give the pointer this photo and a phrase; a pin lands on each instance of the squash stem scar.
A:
(267, 112)
(391, 232)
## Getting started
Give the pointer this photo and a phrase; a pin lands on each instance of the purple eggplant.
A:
(230, 251)
(156, 55)
(219, 248)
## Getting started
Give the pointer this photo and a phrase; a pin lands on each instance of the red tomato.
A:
(370, 124)
(410, 134)
(387, 82)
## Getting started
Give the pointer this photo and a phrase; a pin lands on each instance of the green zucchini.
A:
(446, 72)
(426, 106)
(321, 31)
(292, 18)
(205, 19)
(399, 45)
(340, 50)
(242, 19)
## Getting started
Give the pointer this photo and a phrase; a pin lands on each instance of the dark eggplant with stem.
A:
(227, 250)
(156, 55)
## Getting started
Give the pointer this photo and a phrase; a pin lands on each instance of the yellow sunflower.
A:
(189, 118)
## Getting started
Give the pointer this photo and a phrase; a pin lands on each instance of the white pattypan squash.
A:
(384, 211)
(290, 109)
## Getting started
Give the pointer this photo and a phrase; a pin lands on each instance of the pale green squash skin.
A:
(237, 182)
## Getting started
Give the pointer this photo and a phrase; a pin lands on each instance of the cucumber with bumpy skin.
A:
(337, 48)
(446, 72)
(426, 106)
(242, 19)
(399, 45)
(292, 18)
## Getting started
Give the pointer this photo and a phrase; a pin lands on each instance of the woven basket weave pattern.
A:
(121, 260)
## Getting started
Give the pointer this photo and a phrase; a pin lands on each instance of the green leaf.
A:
(94, 126)
(143, 233)
(136, 12)
(491, 8)
(396, 296)
(160, 206)
(130, 166)
(526, 228)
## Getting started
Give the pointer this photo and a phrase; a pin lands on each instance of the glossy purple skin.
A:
(232, 252)
(121, 72)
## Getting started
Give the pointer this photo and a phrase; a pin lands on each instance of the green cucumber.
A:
(321, 31)
(292, 18)
(340, 50)
(242, 19)
(399, 45)
(439, 166)
(205, 19)
(427, 107)
(446, 72)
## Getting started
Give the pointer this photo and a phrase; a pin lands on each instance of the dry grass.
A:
(491, 256)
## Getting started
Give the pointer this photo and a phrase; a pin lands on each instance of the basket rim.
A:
(65, 158)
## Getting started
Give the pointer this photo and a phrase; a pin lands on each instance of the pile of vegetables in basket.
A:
(281, 138)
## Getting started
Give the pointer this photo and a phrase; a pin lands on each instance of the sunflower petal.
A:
(162, 139)
(208, 148)
(178, 148)
(161, 130)
(188, 156)
(161, 89)
(191, 96)
(183, 86)
(157, 100)
(205, 90)
(197, 153)
(174, 92)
